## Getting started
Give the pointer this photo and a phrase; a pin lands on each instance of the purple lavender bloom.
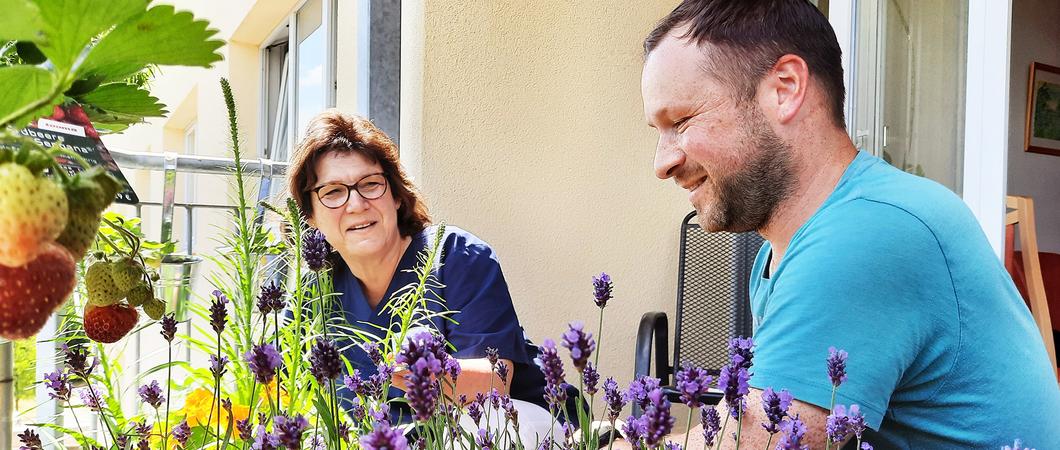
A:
(324, 361)
(353, 382)
(263, 440)
(1018, 445)
(218, 365)
(271, 298)
(30, 440)
(169, 327)
(263, 360)
(474, 411)
(590, 379)
(868, 446)
(837, 366)
(502, 372)
(639, 389)
(423, 354)
(510, 413)
(344, 431)
(671, 445)
(556, 396)
(546, 444)
(143, 444)
(492, 355)
(658, 422)
(580, 343)
(90, 397)
(383, 437)
(152, 394)
(245, 429)
(792, 430)
(549, 362)
(484, 440)
(122, 441)
(58, 385)
(733, 382)
(776, 407)
(315, 249)
(841, 423)
(693, 383)
(182, 432)
(289, 430)
(602, 289)
(613, 398)
(372, 349)
(744, 348)
(357, 411)
(77, 360)
(635, 429)
(495, 398)
(218, 314)
(711, 421)
(317, 442)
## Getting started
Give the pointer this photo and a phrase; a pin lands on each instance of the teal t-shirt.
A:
(895, 270)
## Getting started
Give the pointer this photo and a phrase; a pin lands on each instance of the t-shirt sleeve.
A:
(476, 290)
(874, 284)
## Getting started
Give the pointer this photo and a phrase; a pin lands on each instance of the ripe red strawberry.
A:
(30, 293)
(33, 210)
(108, 324)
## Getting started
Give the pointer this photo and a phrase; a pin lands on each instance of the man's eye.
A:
(681, 122)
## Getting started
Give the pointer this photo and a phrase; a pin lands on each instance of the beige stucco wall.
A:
(525, 126)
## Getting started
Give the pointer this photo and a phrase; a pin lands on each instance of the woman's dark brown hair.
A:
(335, 131)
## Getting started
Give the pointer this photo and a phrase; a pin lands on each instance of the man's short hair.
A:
(749, 36)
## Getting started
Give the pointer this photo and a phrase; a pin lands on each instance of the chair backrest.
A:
(713, 304)
(1022, 215)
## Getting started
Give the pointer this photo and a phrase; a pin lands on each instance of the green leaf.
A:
(21, 86)
(162, 36)
(122, 103)
(21, 21)
(70, 25)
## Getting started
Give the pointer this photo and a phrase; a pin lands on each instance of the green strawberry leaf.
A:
(21, 21)
(71, 25)
(22, 86)
(121, 103)
(162, 36)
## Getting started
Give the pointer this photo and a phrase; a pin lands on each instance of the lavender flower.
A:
(244, 428)
(635, 429)
(182, 432)
(474, 411)
(324, 361)
(484, 439)
(218, 314)
(152, 394)
(90, 397)
(837, 366)
(169, 327)
(142, 428)
(217, 365)
(31, 441)
(868, 446)
(602, 288)
(693, 383)
(547, 443)
(841, 424)
(77, 360)
(792, 430)
(1015, 446)
(423, 354)
(492, 355)
(711, 421)
(58, 385)
(315, 249)
(271, 298)
(639, 389)
(263, 360)
(344, 431)
(502, 372)
(580, 343)
(658, 422)
(383, 437)
(670, 445)
(122, 441)
(353, 382)
(613, 398)
(289, 430)
(742, 347)
(263, 440)
(776, 408)
(357, 411)
(552, 367)
(733, 382)
(372, 349)
(590, 379)
(510, 413)
(317, 442)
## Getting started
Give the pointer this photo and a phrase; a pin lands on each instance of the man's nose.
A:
(668, 157)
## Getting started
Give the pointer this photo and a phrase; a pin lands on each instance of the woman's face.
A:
(360, 229)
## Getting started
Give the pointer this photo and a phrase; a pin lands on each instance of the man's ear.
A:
(311, 222)
(785, 87)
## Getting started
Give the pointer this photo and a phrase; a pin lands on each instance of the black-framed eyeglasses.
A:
(335, 195)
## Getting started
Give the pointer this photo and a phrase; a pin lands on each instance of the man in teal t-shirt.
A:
(747, 97)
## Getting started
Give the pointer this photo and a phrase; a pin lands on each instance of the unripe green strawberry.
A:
(80, 231)
(33, 211)
(88, 194)
(154, 308)
(126, 274)
(140, 294)
(100, 285)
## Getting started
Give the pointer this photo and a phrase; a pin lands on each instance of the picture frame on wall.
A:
(1042, 134)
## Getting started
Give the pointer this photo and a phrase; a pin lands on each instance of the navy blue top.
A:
(474, 288)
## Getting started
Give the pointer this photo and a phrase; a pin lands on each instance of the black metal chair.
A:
(713, 306)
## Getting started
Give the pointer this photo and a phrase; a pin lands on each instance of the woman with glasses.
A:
(348, 183)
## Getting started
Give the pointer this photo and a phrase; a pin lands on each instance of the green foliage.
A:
(97, 52)
(25, 368)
